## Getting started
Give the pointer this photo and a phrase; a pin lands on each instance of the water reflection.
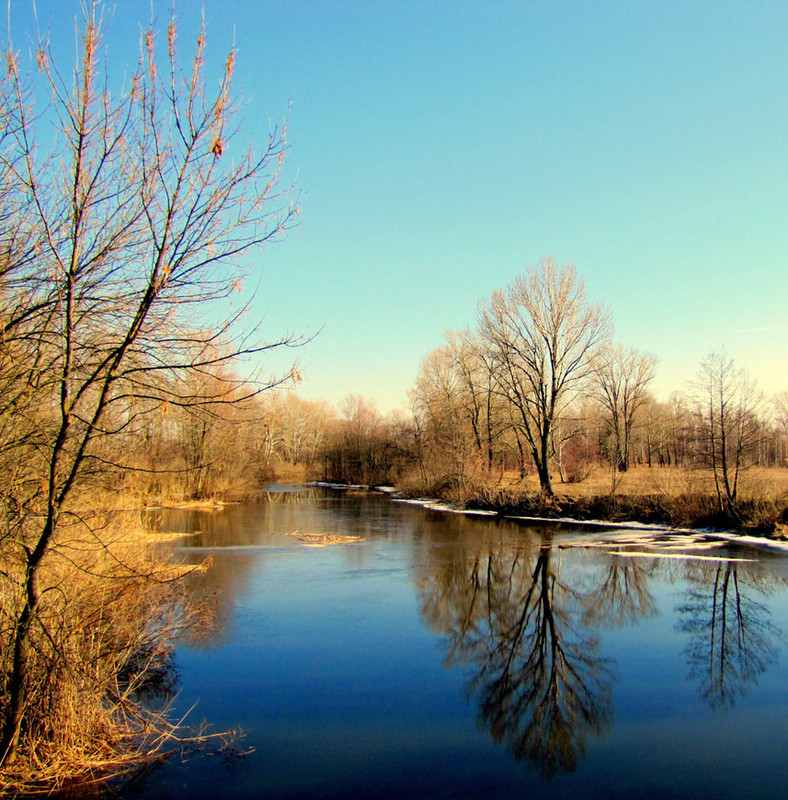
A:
(524, 611)
(732, 638)
(529, 629)
(241, 533)
(239, 540)
(622, 596)
(539, 680)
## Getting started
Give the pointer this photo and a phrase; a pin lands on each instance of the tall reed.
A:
(102, 673)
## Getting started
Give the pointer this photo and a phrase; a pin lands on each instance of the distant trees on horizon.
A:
(536, 387)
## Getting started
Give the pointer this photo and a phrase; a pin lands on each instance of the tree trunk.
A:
(18, 679)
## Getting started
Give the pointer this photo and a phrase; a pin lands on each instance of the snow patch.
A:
(435, 505)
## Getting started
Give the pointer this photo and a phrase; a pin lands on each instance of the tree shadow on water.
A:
(732, 638)
(541, 684)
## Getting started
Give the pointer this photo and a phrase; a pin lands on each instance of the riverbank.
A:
(672, 498)
(101, 674)
(686, 510)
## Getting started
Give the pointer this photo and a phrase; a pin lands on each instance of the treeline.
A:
(538, 389)
(540, 386)
(233, 450)
(468, 430)
(460, 433)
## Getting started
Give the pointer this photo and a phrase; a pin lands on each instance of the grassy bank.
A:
(99, 674)
(667, 496)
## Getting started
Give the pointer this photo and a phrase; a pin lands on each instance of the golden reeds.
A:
(100, 685)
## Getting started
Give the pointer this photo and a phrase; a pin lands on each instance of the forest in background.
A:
(535, 410)
(436, 449)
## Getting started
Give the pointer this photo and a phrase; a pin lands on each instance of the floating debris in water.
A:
(324, 539)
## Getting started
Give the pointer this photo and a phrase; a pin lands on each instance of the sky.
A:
(440, 148)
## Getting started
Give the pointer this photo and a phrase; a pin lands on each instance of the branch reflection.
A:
(541, 683)
(622, 597)
(732, 639)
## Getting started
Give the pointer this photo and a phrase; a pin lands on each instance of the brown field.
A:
(766, 483)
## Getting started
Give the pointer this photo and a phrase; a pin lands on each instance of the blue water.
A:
(455, 657)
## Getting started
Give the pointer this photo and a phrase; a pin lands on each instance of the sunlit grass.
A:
(767, 483)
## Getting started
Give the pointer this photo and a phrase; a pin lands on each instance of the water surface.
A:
(445, 656)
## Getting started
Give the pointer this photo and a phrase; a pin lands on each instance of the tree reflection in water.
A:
(530, 635)
(522, 617)
(732, 638)
(542, 685)
(622, 597)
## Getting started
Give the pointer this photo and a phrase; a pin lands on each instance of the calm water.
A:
(454, 657)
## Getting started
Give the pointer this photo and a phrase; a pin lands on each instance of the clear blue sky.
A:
(442, 146)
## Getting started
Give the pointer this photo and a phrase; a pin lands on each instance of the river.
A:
(437, 655)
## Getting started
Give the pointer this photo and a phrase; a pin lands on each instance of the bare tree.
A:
(727, 402)
(456, 402)
(127, 220)
(358, 447)
(621, 379)
(442, 406)
(474, 367)
(297, 426)
(543, 335)
(780, 409)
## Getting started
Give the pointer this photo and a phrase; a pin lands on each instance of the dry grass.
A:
(679, 497)
(100, 667)
(325, 539)
(172, 494)
(767, 483)
(290, 473)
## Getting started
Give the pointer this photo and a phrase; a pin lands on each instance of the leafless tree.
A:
(727, 401)
(128, 218)
(473, 365)
(780, 409)
(458, 407)
(358, 447)
(295, 427)
(543, 335)
(440, 401)
(621, 379)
